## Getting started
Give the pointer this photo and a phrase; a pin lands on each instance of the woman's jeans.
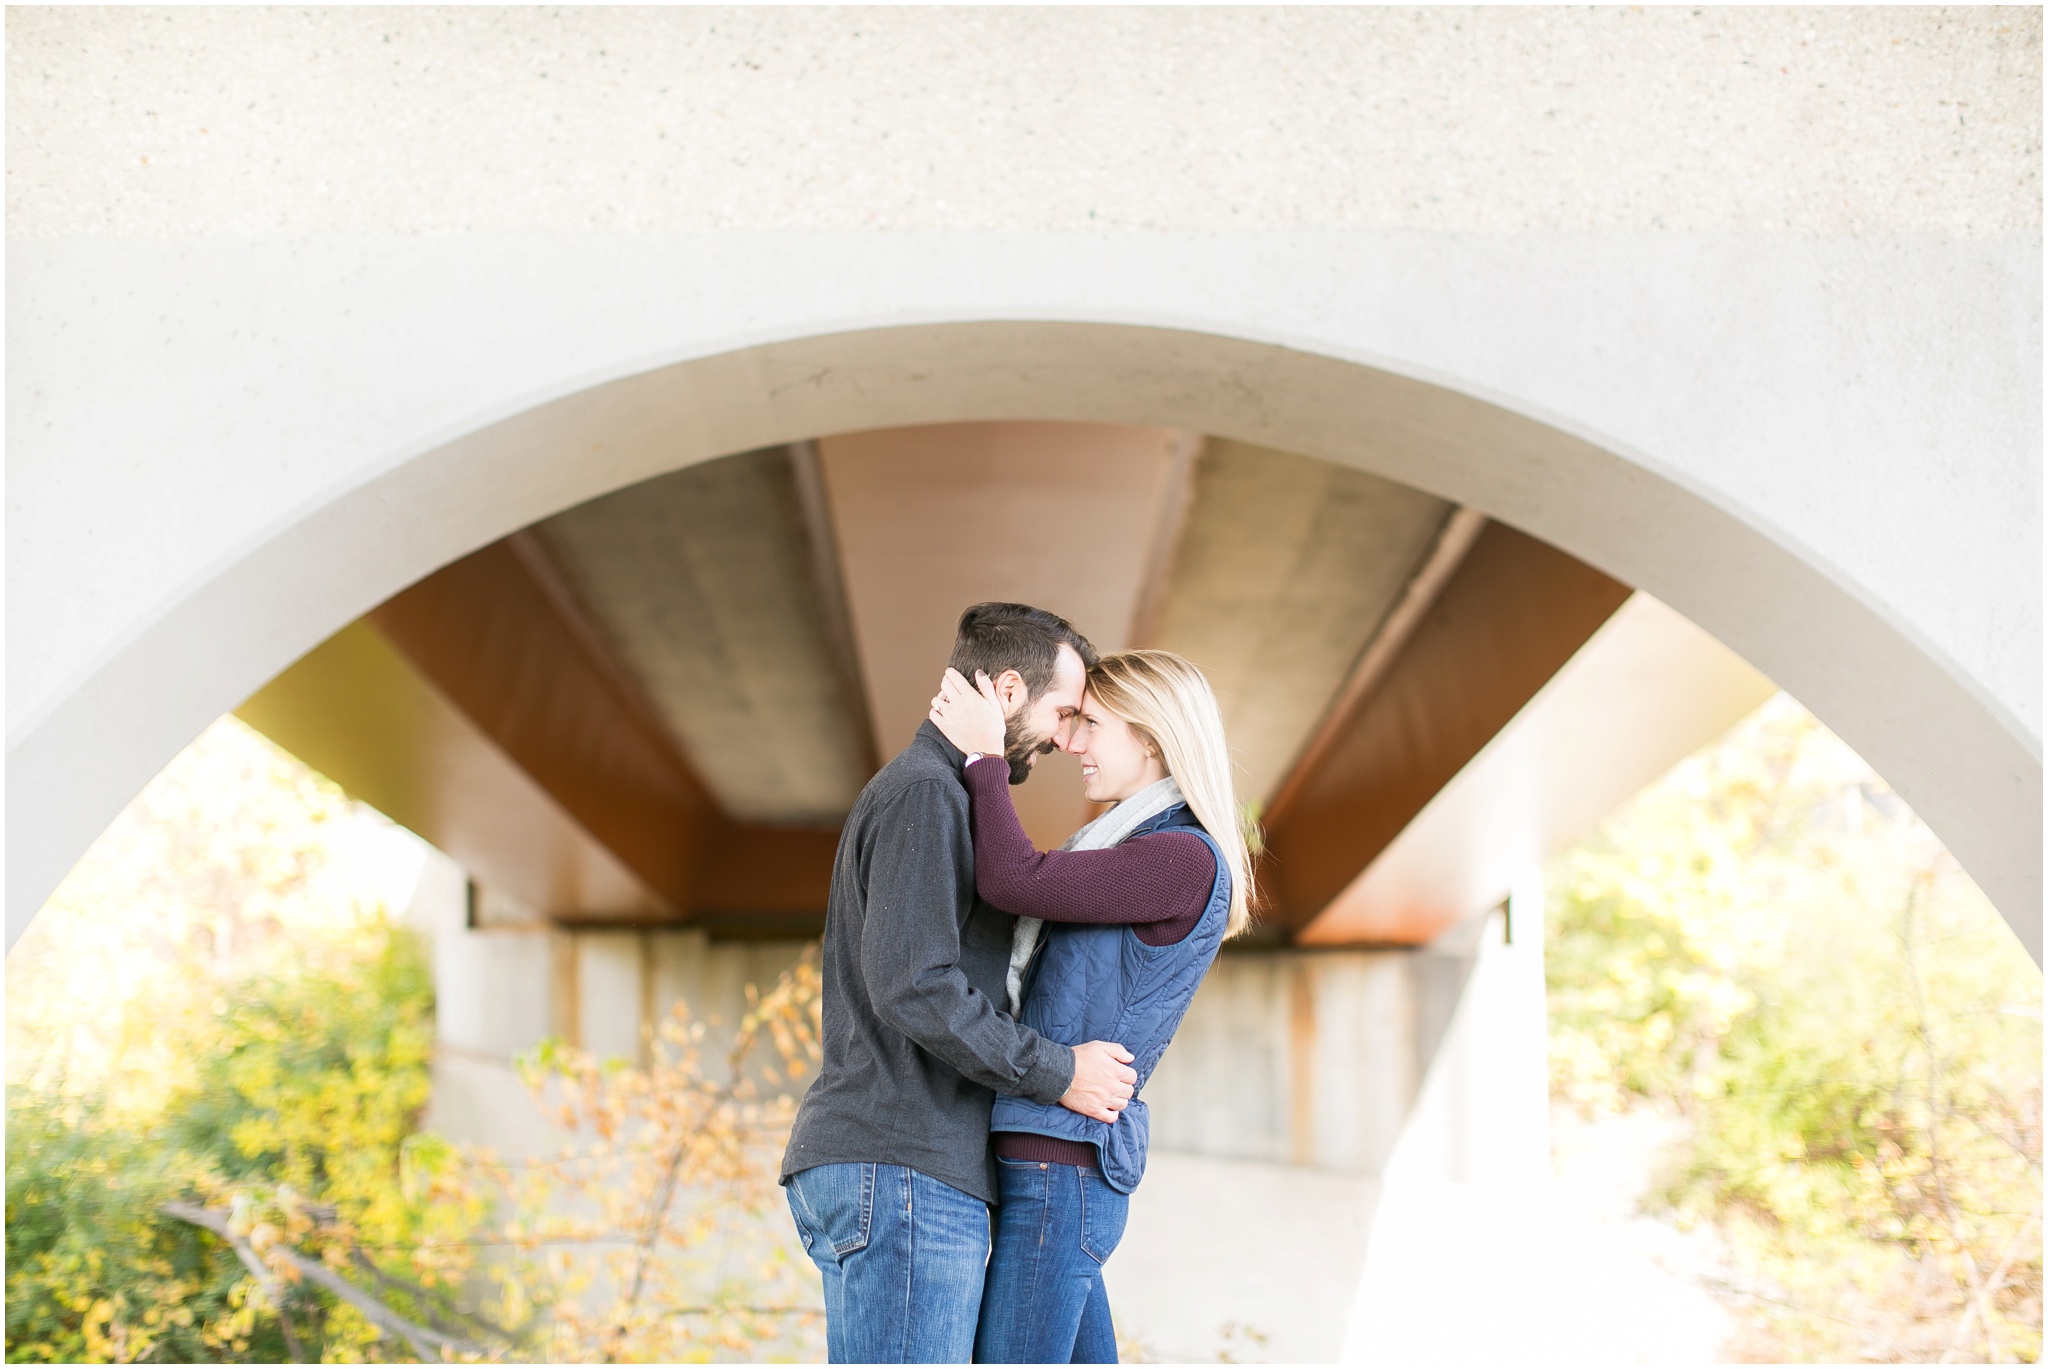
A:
(903, 1257)
(1044, 1302)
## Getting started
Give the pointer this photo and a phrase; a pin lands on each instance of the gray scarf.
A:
(1107, 830)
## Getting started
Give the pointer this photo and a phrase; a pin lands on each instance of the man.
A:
(888, 1168)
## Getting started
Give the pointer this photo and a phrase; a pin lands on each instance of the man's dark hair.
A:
(994, 638)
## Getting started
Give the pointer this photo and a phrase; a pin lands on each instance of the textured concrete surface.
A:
(199, 122)
(1786, 377)
(1301, 1058)
(1285, 569)
(1874, 403)
(1853, 514)
(703, 580)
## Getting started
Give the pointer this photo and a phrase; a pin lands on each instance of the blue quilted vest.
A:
(1100, 983)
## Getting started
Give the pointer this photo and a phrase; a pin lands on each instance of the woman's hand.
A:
(971, 718)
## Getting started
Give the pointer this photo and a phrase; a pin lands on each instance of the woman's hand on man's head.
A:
(971, 717)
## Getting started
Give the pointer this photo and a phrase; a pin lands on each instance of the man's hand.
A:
(1103, 1081)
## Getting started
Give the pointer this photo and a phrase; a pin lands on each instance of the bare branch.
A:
(369, 1266)
(655, 1220)
(425, 1341)
(1993, 1284)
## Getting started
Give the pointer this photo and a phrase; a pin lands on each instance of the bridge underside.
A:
(654, 709)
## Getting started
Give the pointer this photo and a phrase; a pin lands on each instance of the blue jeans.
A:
(1045, 1303)
(903, 1257)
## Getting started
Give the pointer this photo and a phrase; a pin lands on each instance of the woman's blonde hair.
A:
(1169, 704)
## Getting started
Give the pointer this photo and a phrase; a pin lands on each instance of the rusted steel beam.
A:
(1461, 528)
(774, 876)
(502, 642)
(1508, 614)
(1646, 690)
(502, 637)
(365, 716)
(358, 712)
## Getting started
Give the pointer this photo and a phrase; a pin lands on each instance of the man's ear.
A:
(1011, 690)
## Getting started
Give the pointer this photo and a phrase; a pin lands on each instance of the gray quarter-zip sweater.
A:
(915, 1041)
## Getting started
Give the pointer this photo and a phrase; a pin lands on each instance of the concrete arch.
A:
(1966, 766)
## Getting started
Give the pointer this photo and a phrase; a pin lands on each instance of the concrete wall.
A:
(501, 989)
(1740, 306)
(1302, 1089)
(1304, 1058)
(1307, 1057)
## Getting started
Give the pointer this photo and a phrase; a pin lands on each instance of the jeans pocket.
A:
(834, 1204)
(800, 1217)
(1103, 1213)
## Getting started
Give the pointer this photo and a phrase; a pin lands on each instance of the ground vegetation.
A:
(219, 1062)
(1769, 945)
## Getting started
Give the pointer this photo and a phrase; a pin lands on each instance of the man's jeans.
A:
(903, 1257)
(1045, 1303)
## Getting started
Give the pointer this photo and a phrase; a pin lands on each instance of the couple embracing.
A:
(963, 1165)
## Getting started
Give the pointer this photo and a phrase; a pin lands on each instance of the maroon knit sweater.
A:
(1158, 885)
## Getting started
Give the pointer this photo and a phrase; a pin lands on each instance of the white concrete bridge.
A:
(574, 432)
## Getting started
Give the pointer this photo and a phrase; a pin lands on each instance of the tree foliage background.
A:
(219, 1054)
(1769, 944)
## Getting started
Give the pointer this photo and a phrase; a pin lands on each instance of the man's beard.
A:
(1020, 745)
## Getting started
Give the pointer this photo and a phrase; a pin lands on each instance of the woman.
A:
(1115, 931)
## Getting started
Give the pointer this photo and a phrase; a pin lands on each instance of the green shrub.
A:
(1768, 943)
(306, 1090)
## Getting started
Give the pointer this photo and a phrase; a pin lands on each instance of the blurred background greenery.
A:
(208, 1010)
(218, 1016)
(219, 1059)
(1769, 946)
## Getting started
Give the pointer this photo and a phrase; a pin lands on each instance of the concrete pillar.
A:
(610, 1010)
(1465, 1197)
(1483, 1115)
